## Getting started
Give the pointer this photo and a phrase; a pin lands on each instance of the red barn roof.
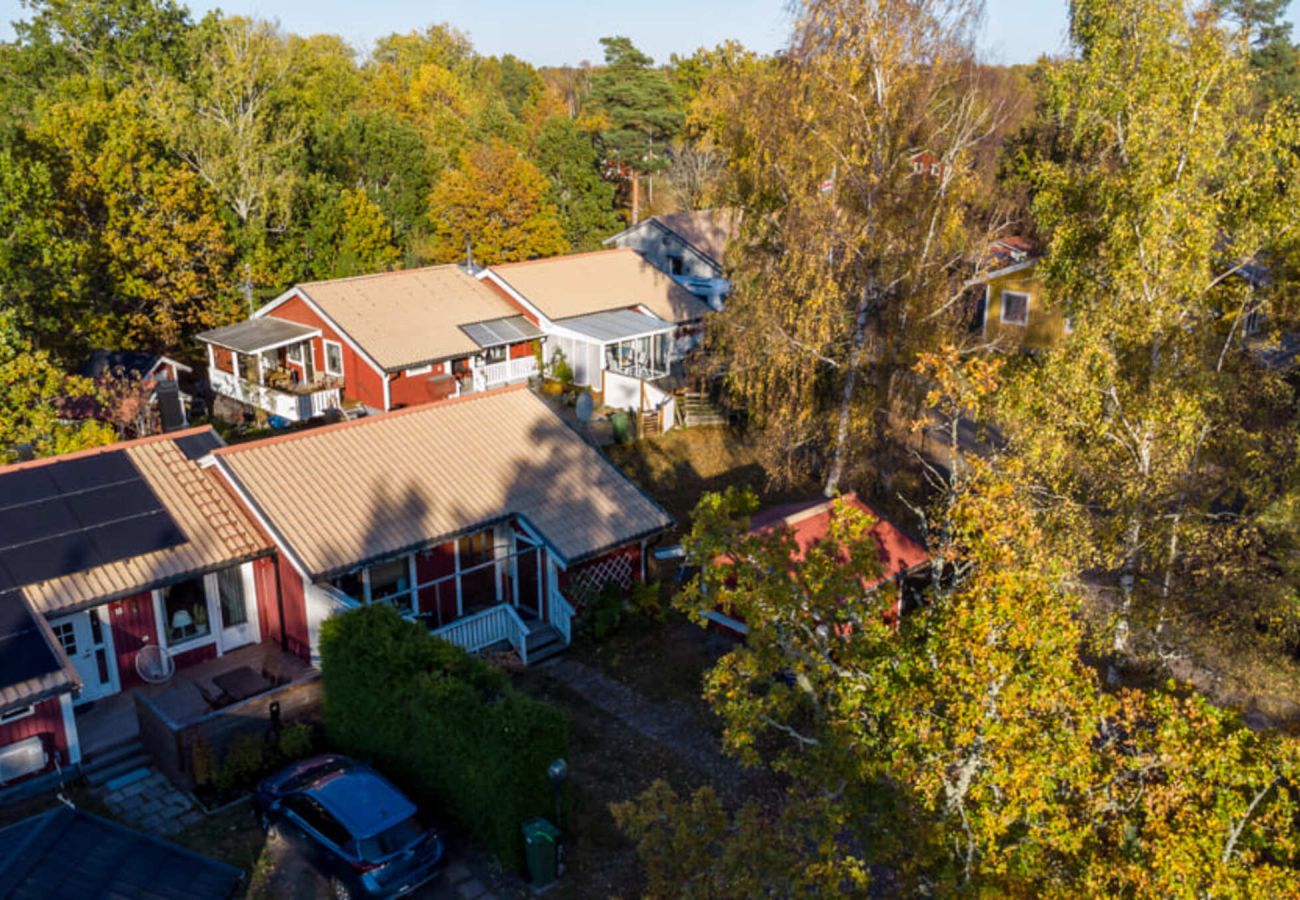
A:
(810, 521)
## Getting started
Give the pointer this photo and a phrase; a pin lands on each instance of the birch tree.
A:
(848, 261)
(1151, 424)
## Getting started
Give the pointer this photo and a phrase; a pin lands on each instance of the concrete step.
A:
(115, 763)
(546, 651)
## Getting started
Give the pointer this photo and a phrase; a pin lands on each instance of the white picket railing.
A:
(295, 407)
(482, 629)
(518, 634)
(562, 616)
(510, 370)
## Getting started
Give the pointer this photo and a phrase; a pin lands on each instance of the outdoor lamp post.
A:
(558, 773)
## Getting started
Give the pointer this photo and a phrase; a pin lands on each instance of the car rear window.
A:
(386, 843)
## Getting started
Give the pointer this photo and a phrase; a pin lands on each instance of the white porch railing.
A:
(482, 629)
(562, 616)
(295, 407)
(518, 634)
(510, 370)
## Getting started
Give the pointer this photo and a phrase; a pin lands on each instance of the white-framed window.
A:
(1069, 324)
(295, 354)
(419, 370)
(1015, 308)
(15, 714)
(333, 358)
(185, 614)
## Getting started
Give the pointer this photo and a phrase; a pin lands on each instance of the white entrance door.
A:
(233, 589)
(87, 639)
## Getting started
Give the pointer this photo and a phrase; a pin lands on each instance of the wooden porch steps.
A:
(695, 409)
(115, 762)
(543, 642)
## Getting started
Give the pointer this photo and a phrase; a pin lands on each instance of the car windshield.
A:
(394, 839)
(307, 776)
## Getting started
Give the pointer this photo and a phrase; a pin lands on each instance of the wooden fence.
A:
(172, 743)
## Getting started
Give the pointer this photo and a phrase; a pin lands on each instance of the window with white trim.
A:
(1015, 308)
(333, 358)
(419, 370)
(294, 353)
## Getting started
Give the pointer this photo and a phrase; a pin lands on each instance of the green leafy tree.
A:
(845, 260)
(350, 236)
(1274, 56)
(640, 110)
(571, 163)
(34, 389)
(1154, 416)
(495, 200)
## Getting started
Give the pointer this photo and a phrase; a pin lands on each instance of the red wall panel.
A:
(46, 721)
(133, 624)
(295, 610)
(437, 562)
(195, 656)
(413, 390)
(360, 381)
(268, 607)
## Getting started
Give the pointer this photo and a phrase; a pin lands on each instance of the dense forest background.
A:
(160, 175)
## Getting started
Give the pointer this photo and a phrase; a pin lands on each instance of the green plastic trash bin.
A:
(540, 850)
(619, 422)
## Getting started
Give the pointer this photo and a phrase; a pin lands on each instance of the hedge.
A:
(446, 726)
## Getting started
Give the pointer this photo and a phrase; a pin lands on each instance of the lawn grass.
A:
(678, 467)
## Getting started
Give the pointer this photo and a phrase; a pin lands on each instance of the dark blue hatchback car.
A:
(354, 826)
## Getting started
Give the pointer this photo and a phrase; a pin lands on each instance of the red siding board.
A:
(268, 609)
(133, 626)
(47, 722)
(295, 610)
(360, 381)
(195, 656)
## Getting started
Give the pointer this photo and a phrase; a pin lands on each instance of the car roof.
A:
(363, 801)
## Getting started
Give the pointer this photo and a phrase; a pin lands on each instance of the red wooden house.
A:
(380, 341)
(102, 554)
(485, 518)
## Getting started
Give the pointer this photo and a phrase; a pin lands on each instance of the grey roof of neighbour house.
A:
(66, 853)
(615, 325)
(256, 335)
(509, 330)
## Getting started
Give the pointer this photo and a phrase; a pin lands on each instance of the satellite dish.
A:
(154, 664)
(584, 407)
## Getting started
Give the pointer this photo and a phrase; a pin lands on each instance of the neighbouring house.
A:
(67, 853)
(485, 518)
(103, 554)
(903, 560)
(689, 246)
(381, 341)
(157, 384)
(618, 321)
(1015, 310)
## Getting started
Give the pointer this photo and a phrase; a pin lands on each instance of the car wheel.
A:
(339, 890)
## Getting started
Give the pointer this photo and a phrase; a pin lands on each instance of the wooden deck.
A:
(190, 694)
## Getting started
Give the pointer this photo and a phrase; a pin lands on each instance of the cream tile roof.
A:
(218, 531)
(410, 317)
(345, 494)
(566, 286)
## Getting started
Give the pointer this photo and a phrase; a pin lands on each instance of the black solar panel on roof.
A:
(199, 445)
(77, 514)
(23, 653)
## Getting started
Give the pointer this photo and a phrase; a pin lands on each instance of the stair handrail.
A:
(521, 629)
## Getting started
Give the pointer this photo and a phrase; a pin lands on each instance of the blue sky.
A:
(553, 32)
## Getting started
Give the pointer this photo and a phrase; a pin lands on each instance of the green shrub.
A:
(606, 610)
(444, 725)
(244, 761)
(297, 740)
(561, 371)
(647, 600)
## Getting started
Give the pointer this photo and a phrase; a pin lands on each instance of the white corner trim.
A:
(70, 729)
